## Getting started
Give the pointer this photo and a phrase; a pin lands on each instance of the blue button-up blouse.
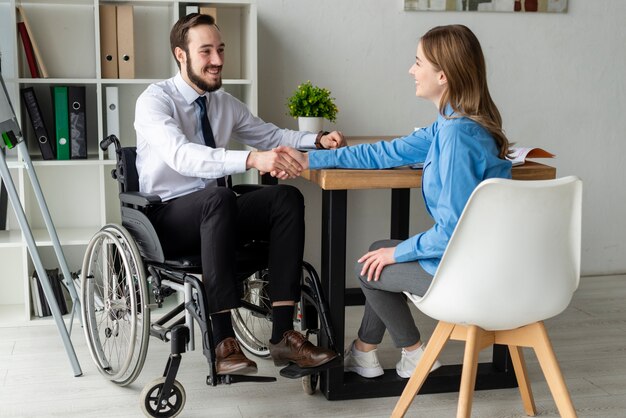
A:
(457, 153)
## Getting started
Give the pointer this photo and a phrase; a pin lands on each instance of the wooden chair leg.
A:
(468, 376)
(552, 371)
(517, 356)
(436, 343)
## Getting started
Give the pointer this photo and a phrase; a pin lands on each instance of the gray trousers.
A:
(386, 307)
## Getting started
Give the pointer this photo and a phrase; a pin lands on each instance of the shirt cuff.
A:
(308, 141)
(235, 162)
(404, 251)
(321, 159)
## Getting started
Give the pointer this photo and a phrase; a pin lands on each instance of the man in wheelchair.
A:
(183, 126)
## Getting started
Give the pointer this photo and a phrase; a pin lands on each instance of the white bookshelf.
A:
(81, 194)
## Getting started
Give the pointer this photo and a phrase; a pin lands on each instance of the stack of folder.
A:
(70, 122)
(38, 298)
(117, 41)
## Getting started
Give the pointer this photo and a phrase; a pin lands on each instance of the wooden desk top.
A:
(400, 178)
(403, 178)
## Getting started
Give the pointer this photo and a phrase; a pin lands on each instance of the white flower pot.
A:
(310, 124)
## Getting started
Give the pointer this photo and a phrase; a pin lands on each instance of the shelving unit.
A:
(81, 194)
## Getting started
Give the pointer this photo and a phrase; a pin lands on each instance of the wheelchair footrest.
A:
(293, 371)
(227, 379)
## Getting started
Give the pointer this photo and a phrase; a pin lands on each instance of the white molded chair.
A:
(512, 262)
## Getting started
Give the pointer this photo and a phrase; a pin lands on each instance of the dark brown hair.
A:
(455, 50)
(178, 34)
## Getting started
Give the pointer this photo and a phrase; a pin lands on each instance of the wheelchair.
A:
(125, 275)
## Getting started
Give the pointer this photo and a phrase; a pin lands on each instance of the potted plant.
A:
(311, 105)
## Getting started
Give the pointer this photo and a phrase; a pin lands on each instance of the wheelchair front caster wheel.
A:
(309, 383)
(172, 404)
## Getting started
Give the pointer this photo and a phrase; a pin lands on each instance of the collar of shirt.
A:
(448, 112)
(189, 93)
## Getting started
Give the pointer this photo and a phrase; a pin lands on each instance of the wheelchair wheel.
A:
(115, 310)
(253, 324)
(150, 395)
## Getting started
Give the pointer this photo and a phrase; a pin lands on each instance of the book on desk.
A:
(517, 156)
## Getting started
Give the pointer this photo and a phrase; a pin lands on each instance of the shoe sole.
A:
(283, 362)
(405, 375)
(363, 372)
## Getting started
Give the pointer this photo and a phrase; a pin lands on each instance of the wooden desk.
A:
(335, 183)
(403, 178)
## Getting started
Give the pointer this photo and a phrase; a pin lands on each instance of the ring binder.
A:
(108, 40)
(78, 122)
(125, 42)
(113, 117)
(61, 122)
(36, 119)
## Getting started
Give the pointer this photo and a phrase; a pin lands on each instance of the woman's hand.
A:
(375, 261)
(280, 164)
(298, 158)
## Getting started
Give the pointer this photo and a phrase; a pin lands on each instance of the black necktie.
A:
(207, 132)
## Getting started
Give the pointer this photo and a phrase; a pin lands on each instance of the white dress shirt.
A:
(172, 159)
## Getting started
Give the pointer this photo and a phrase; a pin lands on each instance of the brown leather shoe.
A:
(230, 358)
(295, 348)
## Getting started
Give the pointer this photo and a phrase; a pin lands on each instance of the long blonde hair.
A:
(455, 50)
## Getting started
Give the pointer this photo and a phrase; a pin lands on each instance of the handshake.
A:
(287, 162)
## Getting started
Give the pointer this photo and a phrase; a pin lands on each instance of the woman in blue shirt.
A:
(465, 146)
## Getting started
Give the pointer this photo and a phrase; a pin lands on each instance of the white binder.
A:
(113, 116)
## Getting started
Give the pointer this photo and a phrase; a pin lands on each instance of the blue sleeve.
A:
(462, 165)
(410, 149)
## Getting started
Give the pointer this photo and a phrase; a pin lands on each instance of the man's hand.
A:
(333, 140)
(301, 157)
(281, 164)
(374, 261)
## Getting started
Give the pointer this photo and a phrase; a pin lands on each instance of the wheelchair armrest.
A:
(245, 188)
(139, 198)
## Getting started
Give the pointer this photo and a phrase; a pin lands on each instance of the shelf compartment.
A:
(72, 194)
(54, 28)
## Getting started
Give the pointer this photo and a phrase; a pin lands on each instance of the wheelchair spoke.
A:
(116, 333)
(252, 322)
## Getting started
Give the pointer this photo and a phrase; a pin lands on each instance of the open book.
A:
(518, 155)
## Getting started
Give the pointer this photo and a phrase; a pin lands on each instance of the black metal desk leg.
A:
(501, 359)
(400, 213)
(334, 207)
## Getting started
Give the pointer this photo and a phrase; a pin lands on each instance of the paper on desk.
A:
(518, 155)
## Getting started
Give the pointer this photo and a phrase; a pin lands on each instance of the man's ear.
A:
(180, 55)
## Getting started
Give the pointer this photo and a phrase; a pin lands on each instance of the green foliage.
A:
(312, 101)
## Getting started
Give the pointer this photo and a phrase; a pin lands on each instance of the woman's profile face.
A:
(430, 83)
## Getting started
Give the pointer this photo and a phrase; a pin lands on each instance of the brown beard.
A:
(198, 81)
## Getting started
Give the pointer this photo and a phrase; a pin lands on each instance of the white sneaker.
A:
(409, 360)
(362, 363)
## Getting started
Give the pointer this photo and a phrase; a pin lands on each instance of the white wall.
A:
(558, 80)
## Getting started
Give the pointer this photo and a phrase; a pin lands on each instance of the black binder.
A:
(45, 308)
(46, 146)
(78, 122)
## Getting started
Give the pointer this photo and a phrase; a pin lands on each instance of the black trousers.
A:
(215, 222)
